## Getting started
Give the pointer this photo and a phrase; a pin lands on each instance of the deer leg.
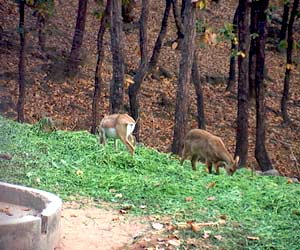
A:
(121, 132)
(102, 139)
(194, 161)
(183, 156)
(209, 167)
(217, 166)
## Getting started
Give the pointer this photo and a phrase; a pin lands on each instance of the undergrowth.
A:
(73, 164)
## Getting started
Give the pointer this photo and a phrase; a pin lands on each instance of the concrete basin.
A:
(29, 218)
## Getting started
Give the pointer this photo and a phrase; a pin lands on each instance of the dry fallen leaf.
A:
(187, 199)
(218, 237)
(252, 238)
(206, 234)
(195, 227)
(211, 184)
(211, 198)
(174, 242)
(157, 226)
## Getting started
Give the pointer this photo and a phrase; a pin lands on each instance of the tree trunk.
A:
(243, 83)
(289, 63)
(134, 89)
(178, 21)
(185, 70)
(261, 154)
(255, 9)
(199, 92)
(285, 20)
(100, 55)
(127, 11)
(41, 23)
(74, 57)
(160, 38)
(117, 86)
(21, 99)
(232, 67)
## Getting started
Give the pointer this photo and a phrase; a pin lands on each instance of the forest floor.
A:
(68, 101)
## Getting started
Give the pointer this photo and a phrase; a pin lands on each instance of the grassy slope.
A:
(70, 163)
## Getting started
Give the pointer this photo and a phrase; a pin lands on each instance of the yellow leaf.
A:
(235, 41)
(79, 172)
(201, 4)
(289, 66)
(174, 45)
(242, 54)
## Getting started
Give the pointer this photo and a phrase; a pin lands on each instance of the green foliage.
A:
(73, 163)
(227, 32)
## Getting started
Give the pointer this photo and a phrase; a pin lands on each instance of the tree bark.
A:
(117, 86)
(178, 21)
(41, 23)
(261, 154)
(255, 9)
(161, 36)
(100, 57)
(127, 11)
(74, 57)
(22, 83)
(243, 83)
(232, 67)
(199, 92)
(285, 20)
(289, 62)
(185, 70)
(133, 90)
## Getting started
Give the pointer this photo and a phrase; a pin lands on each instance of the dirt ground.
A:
(94, 226)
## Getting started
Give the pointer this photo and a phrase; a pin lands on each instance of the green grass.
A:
(73, 163)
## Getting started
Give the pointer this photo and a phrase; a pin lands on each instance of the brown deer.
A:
(118, 126)
(206, 147)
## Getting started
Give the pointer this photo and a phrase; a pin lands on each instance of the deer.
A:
(118, 126)
(203, 146)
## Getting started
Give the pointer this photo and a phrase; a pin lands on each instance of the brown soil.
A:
(89, 227)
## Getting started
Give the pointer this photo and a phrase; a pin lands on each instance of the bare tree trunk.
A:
(160, 38)
(117, 86)
(74, 57)
(100, 55)
(186, 61)
(41, 23)
(199, 92)
(253, 48)
(243, 83)
(134, 89)
(22, 83)
(289, 62)
(285, 20)
(232, 67)
(261, 154)
(178, 21)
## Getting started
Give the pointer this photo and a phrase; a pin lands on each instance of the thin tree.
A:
(74, 57)
(232, 64)
(199, 92)
(243, 82)
(255, 10)
(22, 83)
(133, 90)
(178, 21)
(185, 70)
(289, 63)
(100, 56)
(160, 38)
(127, 10)
(285, 20)
(261, 154)
(117, 86)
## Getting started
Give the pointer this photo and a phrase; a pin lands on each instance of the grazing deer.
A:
(118, 126)
(206, 147)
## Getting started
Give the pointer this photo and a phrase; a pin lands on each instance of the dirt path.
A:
(91, 227)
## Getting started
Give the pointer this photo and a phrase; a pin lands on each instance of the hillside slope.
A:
(69, 101)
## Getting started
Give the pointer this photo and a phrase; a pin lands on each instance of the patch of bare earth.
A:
(94, 226)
